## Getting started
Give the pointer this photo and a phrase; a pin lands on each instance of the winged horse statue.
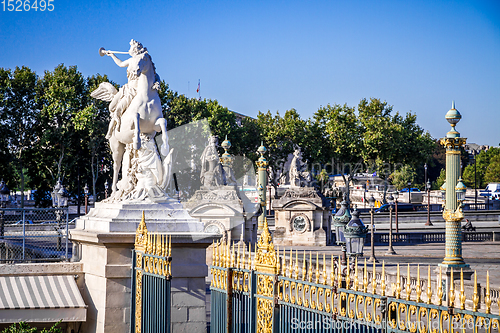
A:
(136, 117)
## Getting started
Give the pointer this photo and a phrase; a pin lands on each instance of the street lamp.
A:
(106, 186)
(59, 200)
(454, 191)
(409, 192)
(428, 188)
(425, 168)
(396, 195)
(390, 200)
(4, 199)
(86, 191)
(340, 220)
(460, 190)
(371, 202)
(355, 234)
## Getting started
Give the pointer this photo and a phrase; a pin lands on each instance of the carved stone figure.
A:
(297, 175)
(136, 115)
(211, 170)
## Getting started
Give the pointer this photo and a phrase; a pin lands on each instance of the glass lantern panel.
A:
(339, 235)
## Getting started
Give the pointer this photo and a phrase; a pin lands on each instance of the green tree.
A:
(440, 180)
(18, 117)
(402, 176)
(492, 174)
(281, 136)
(342, 137)
(60, 147)
(486, 164)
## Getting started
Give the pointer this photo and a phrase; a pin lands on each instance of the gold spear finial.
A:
(356, 279)
(365, 278)
(418, 289)
(140, 235)
(429, 289)
(278, 266)
(374, 278)
(382, 278)
(244, 257)
(304, 272)
(309, 268)
(296, 265)
(398, 284)
(487, 298)
(339, 273)
(170, 246)
(475, 297)
(348, 275)
(249, 256)
(324, 270)
(214, 253)
(316, 273)
(462, 290)
(439, 283)
(408, 285)
(332, 272)
(451, 296)
(238, 257)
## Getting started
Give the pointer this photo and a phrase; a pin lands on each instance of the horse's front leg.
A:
(161, 125)
(137, 132)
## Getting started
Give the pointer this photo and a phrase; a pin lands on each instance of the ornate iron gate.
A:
(272, 293)
(151, 278)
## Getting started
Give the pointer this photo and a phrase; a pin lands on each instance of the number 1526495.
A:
(27, 5)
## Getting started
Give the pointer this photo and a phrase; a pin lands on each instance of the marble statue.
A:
(136, 117)
(297, 175)
(211, 170)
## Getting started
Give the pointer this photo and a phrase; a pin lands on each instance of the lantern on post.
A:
(340, 220)
(355, 234)
(460, 189)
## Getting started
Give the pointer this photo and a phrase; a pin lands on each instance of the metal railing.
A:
(250, 294)
(429, 237)
(34, 234)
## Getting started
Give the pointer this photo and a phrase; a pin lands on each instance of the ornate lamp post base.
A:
(391, 251)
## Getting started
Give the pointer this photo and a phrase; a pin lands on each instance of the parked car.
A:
(20, 222)
(402, 207)
(492, 191)
(413, 189)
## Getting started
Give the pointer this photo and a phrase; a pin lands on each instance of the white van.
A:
(493, 190)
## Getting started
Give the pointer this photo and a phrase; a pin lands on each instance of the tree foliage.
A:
(52, 129)
(487, 169)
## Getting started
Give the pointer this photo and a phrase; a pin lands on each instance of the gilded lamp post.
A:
(262, 164)
(454, 194)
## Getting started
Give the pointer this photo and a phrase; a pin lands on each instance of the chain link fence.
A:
(34, 234)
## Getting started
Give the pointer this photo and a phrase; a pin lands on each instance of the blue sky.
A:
(276, 55)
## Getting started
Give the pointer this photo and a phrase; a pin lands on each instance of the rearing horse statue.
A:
(135, 109)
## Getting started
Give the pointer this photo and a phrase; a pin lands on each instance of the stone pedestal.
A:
(220, 209)
(104, 240)
(302, 217)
